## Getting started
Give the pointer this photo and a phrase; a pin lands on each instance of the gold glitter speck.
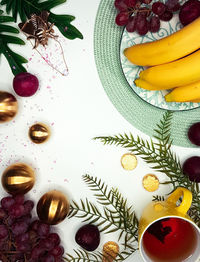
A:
(129, 161)
(150, 182)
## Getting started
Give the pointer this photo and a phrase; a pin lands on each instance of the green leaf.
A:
(63, 24)
(15, 60)
(24, 8)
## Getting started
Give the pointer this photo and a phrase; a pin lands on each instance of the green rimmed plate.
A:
(142, 115)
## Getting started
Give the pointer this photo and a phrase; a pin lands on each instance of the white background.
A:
(77, 109)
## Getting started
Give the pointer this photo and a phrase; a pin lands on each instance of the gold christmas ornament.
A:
(110, 251)
(53, 207)
(39, 133)
(8, 106)
(150, 182)
(18, 178)
(129, 161)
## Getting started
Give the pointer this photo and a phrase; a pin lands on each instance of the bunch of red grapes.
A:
(142, 16)
(22, 239)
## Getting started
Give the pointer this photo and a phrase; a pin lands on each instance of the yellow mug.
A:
(167, 233)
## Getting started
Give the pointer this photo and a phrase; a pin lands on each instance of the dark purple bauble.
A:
(194, 133)
(25, 84)
(191, 168)
(88, 237)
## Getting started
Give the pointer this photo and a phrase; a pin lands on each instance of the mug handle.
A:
(186, 202)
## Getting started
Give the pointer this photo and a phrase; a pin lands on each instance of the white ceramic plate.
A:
(131, 71)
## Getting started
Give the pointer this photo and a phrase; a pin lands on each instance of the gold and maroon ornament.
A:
(18, 178)
(150, 182)
(110, 251)
(39, 133)
(53, 207)
(8, 106)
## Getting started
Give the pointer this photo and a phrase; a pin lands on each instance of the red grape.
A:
(194, 133)
(7, 202)
(166, 16)
(88, 237)
(16, 210)
(3, 231)
(23, 246)
(47, 244)
(130, 3)
(28, 206)
(55, 239)
(19, 199)
(142, 25)
(154, 24)
(147, 2)
(19, 228)
(48, 258)
(158, 8)
(43, 230)
(121, 5)
(189, 11)
(25, 84)
(131, 26)
(57, 251)
(191, 168)
(3, 213)
(122, 18)
(172, 5)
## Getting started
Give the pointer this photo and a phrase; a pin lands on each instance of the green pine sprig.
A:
(158, 153)
(24, 8)
(7, 36)
(115, 216)
(84, 256)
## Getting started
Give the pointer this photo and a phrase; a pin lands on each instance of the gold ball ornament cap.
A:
(53, 207)
(8, 106)
(150, 182)
(18, 178)
(39, 133)
(110, 251)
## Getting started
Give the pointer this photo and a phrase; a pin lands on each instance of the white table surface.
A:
(77, 109)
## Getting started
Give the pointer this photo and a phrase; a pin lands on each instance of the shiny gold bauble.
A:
(53, 207)
(110, 251)
(39, 133)
(18, 178)
(8, 106)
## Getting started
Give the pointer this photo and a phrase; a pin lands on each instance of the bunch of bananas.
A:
(173, 63)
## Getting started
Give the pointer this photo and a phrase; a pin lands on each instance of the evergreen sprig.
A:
(116, 216)
(155, 152)
(158, 153)
(84, 256)
(15, 60)
(24, 8)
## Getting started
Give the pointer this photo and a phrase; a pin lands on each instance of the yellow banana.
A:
(170, 48)
(145, 85)
(187, 93)
(178, 73)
